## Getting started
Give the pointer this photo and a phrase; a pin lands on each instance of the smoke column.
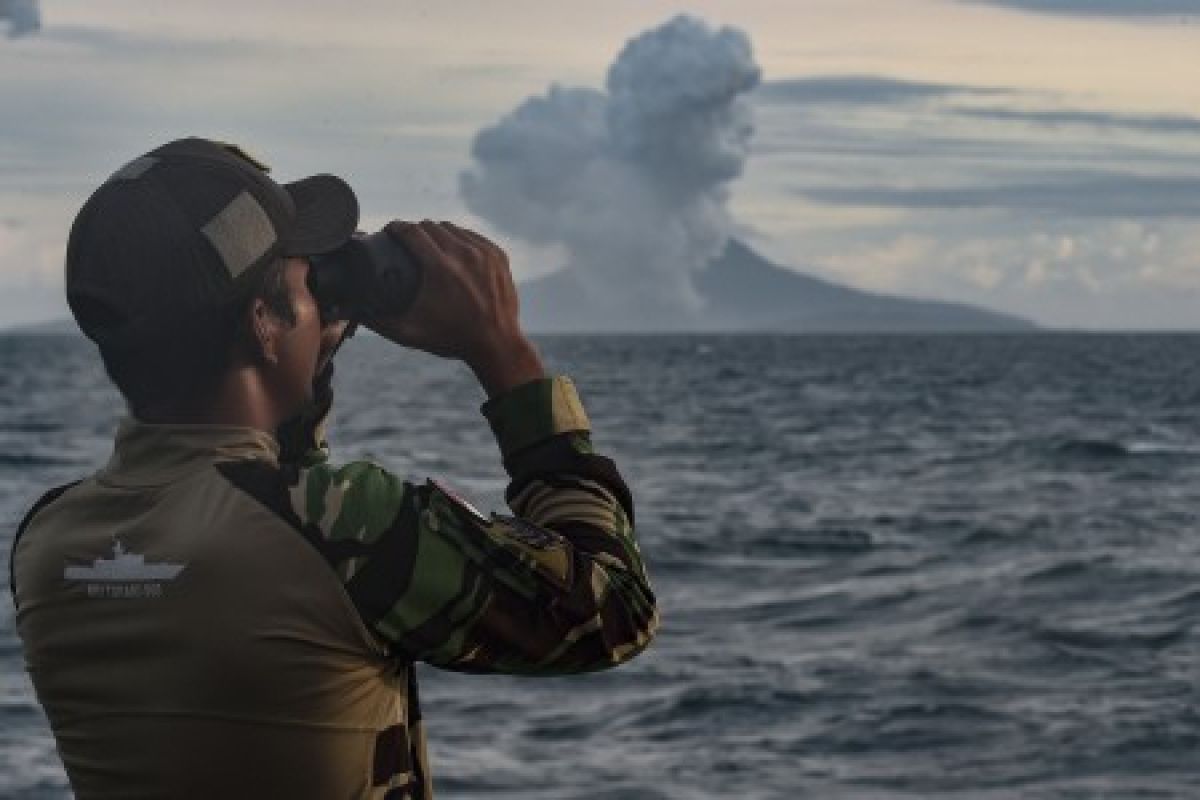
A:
(633, 182)
(23, 16)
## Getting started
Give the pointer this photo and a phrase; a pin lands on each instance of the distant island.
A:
(742, 291)
(54, 326)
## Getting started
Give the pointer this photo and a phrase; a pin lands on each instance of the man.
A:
(221, 613)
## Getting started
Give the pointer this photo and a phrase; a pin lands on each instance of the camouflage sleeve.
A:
(558, 587)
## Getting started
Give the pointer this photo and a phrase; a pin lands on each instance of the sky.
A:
(1037, 157)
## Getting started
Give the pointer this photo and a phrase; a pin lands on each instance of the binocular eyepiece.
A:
(369, 277)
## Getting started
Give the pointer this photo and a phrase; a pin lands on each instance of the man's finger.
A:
(401, 331)
(418, 241)
(449, 242)
(477, 238)
(495, 258)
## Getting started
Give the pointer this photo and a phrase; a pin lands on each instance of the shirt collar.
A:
(153, 455)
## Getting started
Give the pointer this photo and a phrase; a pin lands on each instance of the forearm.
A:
(574, 498)
(558, 588)
(544, 436)
(506, 364)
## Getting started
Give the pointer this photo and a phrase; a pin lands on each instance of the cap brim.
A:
(326, 215)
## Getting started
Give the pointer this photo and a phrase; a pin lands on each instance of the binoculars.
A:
(370, 277)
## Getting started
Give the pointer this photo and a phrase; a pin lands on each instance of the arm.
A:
(558, 588)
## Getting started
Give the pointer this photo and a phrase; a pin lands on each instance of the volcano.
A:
(744, 292)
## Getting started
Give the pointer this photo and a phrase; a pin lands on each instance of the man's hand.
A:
(467, 306)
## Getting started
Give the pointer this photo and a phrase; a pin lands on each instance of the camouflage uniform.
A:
(192, 688)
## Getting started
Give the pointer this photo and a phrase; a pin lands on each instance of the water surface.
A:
(907, 567)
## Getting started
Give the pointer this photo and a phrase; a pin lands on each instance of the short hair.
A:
(174, 371)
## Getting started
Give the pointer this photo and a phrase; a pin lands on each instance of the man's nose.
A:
(332, 336)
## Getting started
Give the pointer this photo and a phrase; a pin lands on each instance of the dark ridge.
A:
(54, 327)
(1092, 448)
(746, 293)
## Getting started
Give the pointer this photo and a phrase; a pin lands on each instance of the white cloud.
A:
(632, 181)
(1077, 275)
(24, 16)
(1066, 248)
(891, 266)
(1114, 8)
(33, 291)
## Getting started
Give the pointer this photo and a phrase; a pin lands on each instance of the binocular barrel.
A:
(370, 277)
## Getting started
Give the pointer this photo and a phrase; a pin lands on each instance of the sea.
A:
(888, 566)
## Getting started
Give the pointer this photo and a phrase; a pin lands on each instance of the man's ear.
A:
(266, 329)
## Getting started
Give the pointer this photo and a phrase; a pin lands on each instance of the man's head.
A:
(189, 262)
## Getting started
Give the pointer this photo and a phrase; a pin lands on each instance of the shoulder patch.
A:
(523, 530)
(540, 548)
(518, 546)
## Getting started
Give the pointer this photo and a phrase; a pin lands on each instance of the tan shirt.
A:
(175, 627)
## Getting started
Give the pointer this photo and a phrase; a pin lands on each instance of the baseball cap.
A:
(175, 236)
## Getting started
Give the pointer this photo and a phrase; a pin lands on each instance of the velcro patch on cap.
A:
(245, 156)
(134, 169)
(242, 233)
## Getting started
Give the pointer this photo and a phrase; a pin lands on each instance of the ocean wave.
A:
(1162, 449)
(813, 541)
(675, 715)
(877, 580)
(1115, 638)
(1102, 449)
(30, 426)
(27, 460)
(915, 726)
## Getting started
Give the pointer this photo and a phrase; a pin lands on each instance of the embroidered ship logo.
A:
(123, 567)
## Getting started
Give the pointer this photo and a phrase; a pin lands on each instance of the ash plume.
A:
(24, 16)
(631, 181)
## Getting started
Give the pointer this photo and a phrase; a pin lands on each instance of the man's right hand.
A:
(467, 307)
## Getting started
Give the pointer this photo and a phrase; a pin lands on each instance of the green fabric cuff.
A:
(535, 411)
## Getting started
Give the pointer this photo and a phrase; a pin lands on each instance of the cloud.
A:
(29, 294)
(24, 16)
(133, 47)
(1110, 195)
(1156, 123)
(1069, 274)
(631, 181)
(1096, 8)
(858, 90)
(1018, 200)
